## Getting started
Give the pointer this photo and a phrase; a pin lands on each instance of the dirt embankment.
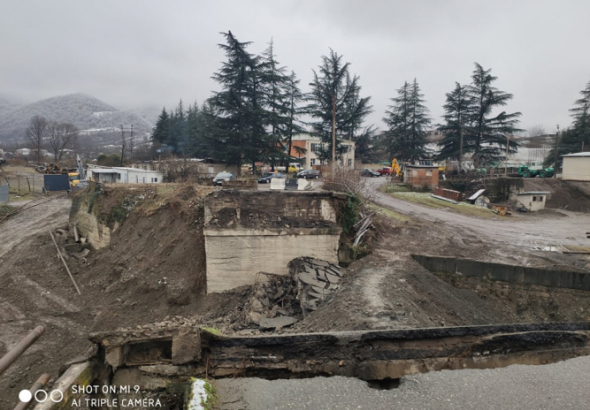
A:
(151, 270)
(568, 195)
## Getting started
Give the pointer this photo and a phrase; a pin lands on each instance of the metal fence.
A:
(4, 193)
(25, 183)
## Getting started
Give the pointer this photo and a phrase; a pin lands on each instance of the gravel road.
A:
(529, 230)
(564, 385)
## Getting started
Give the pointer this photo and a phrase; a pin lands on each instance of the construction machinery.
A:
(396, 170)
(526, 172)
(75, 175)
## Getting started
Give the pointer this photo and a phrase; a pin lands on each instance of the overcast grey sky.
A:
(132, 53)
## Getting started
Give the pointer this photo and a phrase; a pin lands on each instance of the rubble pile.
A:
(274, 303)
(316, 280)
(72, 245)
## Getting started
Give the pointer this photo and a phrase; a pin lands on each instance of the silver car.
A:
(223, 176)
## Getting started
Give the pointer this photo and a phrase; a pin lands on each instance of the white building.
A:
(25, 152)
(313, 146)
(576, 167)
(532, 200)
(124, 175)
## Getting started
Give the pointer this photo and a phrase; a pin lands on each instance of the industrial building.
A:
(576, 167)
(124, 175)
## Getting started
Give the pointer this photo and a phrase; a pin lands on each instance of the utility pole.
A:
(333, 97)
(461, 146)
(123, 144)
(131, 143)
(507, 146)
(556, 151)
(333, 167)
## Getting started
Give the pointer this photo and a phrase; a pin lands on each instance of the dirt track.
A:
(528, 230)
(36, 216)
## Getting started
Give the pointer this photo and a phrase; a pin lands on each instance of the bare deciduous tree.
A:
(61, 135)
(36, 132)
(536, 131)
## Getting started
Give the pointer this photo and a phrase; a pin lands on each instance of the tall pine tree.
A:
(407, 120)
(458, 115)
(293, 96)
(161, 131)
(577, 137)
(238, 130)
(487, 133)
(335, 100)
(275, 83)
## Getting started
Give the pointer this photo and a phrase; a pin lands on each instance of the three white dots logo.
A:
(41, 396)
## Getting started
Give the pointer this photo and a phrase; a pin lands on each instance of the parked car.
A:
(384, 171)
(309, 174)
(265, 179)
(369, 173)
(223, 176)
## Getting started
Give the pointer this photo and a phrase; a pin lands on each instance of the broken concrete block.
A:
(81, 254)
(115, 356)
(257, 306)
(186, 346)
(321, 276)
(309, 278)
(332, 278)
(255, 317)
(334, 270)
(315, 294)
(321, 290)
(277, 322)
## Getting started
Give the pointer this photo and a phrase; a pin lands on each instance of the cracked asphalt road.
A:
(563, 385)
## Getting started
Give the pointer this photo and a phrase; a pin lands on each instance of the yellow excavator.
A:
(396, 170)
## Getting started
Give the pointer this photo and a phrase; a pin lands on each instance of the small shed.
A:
(532, 200)
(421, 175)
(576, 167)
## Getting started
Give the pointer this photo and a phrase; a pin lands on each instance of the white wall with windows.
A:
(315, 148)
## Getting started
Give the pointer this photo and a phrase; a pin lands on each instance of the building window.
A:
(315, 147)
(428, 173)
(540, 199)
(534, 199)
(155, 179)
(312, 161)
(119, 177)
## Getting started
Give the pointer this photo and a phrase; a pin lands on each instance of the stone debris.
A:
(277, 322)
(316, 281)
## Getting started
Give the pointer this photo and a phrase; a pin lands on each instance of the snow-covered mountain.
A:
(84, 111)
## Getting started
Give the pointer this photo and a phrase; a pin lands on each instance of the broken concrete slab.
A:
(309, 279)
(186, 346)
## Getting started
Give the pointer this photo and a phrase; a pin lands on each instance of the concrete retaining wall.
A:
(234, 259)
(506, 273)
(247, 232)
